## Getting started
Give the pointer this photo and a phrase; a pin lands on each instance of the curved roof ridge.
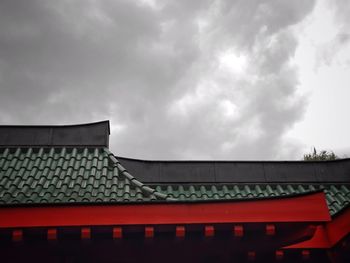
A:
(144, 188)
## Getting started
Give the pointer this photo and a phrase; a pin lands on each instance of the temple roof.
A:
(61, 170)
(31, 176)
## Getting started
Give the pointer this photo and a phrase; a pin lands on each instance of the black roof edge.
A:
(94, 134)
(215, 171)
(227, 161)
(55, 126)
(304, 183)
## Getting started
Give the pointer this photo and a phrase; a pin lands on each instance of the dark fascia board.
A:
(230, 161)
(337, 171)
(90, 134)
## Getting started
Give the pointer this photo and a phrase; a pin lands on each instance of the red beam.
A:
(52, 234)
(329, 234)
(209, 231)
(117, 232)
(306, 208)
(238, 230)
(180, 231)
(17, 235)
(85, 233)
(339, 227)
(270, 230)
(149, 231)
(319, 240)
(279, 255)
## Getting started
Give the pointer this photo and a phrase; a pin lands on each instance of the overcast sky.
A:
(183, 79)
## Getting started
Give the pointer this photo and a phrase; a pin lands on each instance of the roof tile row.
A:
(67, 175)
(337, 196)
(89, 175)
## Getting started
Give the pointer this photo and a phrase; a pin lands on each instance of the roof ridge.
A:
(144, 188)
(229, 160)
(238, 171)
(88, 134)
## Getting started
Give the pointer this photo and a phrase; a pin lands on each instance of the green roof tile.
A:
(337, 196)
(91, 175)
(63, 175)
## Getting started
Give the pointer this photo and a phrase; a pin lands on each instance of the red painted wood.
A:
(329, 234)
(306, 208)
(209, 231)
(149, 231)
(85, 233)
(52, 234)
(339, 227)
(117, 232)
(17, 235)
(279, 255)
(180, 231)
(238, 230)
(270, 230)
(319, 240)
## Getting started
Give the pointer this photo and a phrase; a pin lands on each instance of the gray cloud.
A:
(155, 73)
(329, 50)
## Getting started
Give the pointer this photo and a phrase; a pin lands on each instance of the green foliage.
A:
(320, 156)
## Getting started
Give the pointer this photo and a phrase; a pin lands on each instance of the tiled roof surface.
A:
(92, 175)
(337, 196)
(67, 175)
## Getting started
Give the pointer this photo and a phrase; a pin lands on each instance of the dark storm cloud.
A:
(153, 70)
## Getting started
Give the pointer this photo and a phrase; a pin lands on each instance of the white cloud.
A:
(322, 58)
(231, 61)
(191, 79)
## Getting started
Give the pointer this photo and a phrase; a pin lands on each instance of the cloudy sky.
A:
(225, 79)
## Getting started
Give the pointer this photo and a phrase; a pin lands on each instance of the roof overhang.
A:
(329, 234)
(304, 208)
